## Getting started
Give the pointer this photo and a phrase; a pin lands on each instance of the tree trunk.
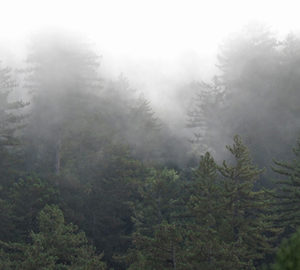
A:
(173, 257)
(57, 156)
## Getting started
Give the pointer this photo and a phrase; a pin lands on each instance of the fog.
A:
(149, 134)
(163, 50)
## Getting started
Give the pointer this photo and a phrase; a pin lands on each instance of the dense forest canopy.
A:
(91, 177)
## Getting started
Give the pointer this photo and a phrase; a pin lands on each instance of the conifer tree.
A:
(10, 159)
(248, 225)
(288, 255)
(56, 246)
(201, 116)
(205, 246)
(10, 121)
(158, 240)
(10, 117)
(288, 191)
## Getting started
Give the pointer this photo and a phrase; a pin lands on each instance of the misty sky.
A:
(156, 44)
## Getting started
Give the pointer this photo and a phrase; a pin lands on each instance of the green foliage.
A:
(158, 238)
(288, 190)
(5, 262)
(59, 246)
(249, 228)
(162, 251)
(206, 248)
(288, 255)
(10, 122)
(108, 202)
(28, 196)
(158, 199)
(56, 246)
(229, 225)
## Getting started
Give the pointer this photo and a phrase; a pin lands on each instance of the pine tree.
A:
(288, 255)
(62, 78)
(249, 227)
(206, 102)
(107, 206)
(10, 117)
(158, 239)
(163, 250)
(10, 155)
(288, 192)
(27, 197)
(56, 246)
(205, 245)
(10, 122)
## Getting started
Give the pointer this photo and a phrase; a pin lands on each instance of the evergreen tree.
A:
(288, 255)
(249, 228)
(158, 239)
(55, 246)
(205, 245)
(161, 251)
(10, 122)
(288, 191)
(206, 102)
(107, 208)
(62, 78)
(27, 197)
(10, 155)
(10, 117)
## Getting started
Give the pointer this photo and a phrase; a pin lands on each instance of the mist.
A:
(149, 135)
(172, 87)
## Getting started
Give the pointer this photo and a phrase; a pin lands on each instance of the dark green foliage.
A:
(55, 246)
(158, 199)
(288, 255)
(162, 251)
(10, 154)
(288, 190)
(249, 227)
(108, 202)
(27, 197)
(206, 248)
(59, 246)
(10, 122)
(158, 238)
(229, 225)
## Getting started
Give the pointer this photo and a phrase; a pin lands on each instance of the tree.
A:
(62, 77)
(161, 251)
(10, 122)
(288, 191)
(11, 161)
(288, 257)
(27, 197)
(207, 100)
(10, 117)
(157, 240)
(107, 206)
(206, 219)
(55, 246)
(250, 229)
(257, 77)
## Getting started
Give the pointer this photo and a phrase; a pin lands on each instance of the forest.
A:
(92, 178)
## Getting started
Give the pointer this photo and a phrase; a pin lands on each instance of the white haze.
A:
(157, 44)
